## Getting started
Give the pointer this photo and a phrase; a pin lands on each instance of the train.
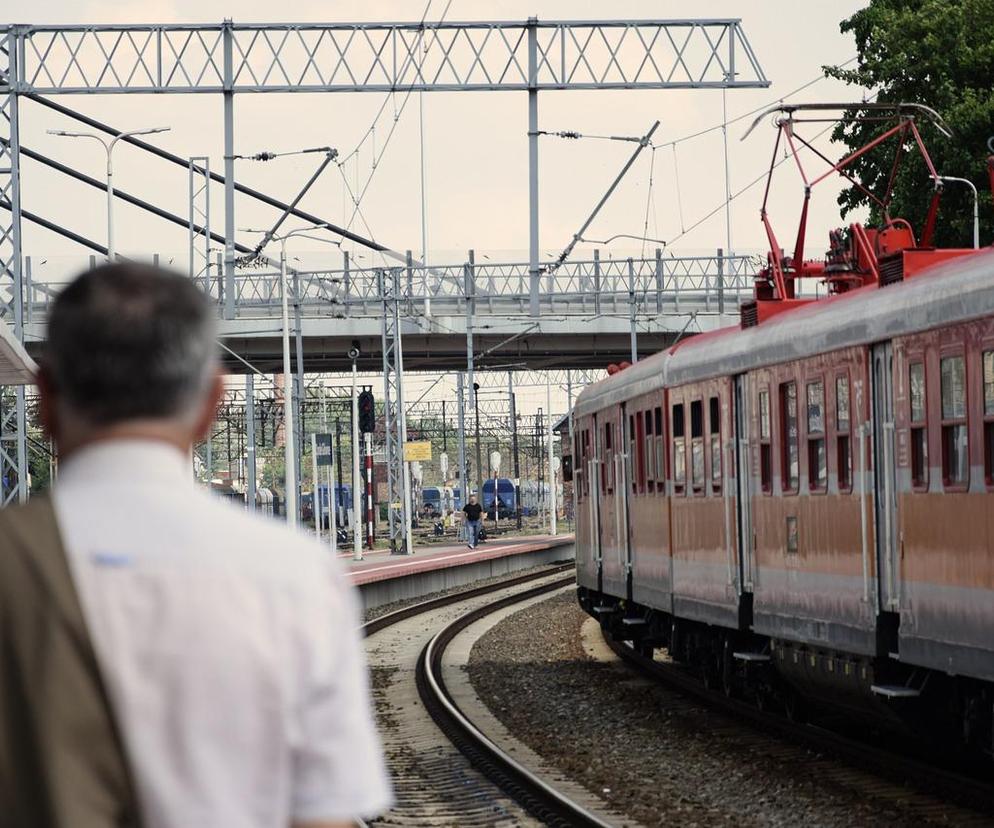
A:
(440, 499)
(801, 507)
(504, 492)
(343, 502)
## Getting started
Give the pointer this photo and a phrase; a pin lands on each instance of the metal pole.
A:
(370, 505)
(424, 208)
(728, 184)
(332, 492)
(250, 482)
(470, 285)
(356, 538)
(479, 457)
(341, 480)
(314, 487)
(289, 455)
(631, 313)
(514, 447)
(402, 416)
(461, 420)
(301, 395)
(229, 174)
(534, 274)
(552, 469)
(110, 203)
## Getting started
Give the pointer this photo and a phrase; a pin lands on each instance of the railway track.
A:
(933, 793)
(444, 770)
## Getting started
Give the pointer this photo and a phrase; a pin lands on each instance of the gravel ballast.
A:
(648, 751)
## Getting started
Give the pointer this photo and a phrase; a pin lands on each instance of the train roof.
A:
(954, 291)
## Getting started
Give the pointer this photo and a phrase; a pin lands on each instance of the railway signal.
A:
(367, 412)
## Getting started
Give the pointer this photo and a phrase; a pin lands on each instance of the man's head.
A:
(130, 352)
(472, 498)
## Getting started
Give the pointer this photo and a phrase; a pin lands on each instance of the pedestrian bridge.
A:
(587, 310)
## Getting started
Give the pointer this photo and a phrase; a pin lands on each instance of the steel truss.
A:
(394, 416)
(13, 418)
(386, 57)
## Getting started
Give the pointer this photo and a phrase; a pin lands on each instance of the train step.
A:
(605, 609)
(895, 691)
(753, 657)
(634, 622)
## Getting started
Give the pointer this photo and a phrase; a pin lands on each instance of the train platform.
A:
(382, 578)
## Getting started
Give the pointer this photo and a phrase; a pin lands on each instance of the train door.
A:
(593, 451)
(611, 496)
(884, 478)
(743, 483)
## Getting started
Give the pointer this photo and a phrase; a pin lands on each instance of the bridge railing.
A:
(656, 285)
(662, 284)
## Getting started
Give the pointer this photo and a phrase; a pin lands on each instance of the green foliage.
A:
(939, 53)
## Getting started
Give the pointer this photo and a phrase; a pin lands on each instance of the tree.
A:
(939, 53)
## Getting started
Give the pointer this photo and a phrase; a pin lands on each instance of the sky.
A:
(475, 144)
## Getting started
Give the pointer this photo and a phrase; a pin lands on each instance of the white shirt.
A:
(228, 645)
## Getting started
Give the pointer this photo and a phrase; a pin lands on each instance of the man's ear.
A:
(209, 411)
(47, 403)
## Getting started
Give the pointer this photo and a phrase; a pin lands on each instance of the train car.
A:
(438, 499)
(342, 503)
(802, 506)
(503, 491)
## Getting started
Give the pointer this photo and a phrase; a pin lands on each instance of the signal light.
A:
(367, 412)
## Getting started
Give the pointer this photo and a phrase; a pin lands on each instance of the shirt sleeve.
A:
(338, 767)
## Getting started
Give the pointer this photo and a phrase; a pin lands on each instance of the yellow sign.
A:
(419, 450)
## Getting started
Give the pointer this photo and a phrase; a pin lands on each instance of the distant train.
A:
(503, 491)
(342, 501)
(440, 499)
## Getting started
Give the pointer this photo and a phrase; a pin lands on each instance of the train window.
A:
(817, 454)
(989, 416)
(679, 451)
(634, 460)
(843, 446)
(660, 450)
(697, 445)
(650, 454)
(607, 463)
(714, 424)
(789, 462)
(955, 465)
(765, 451)
(919, 430)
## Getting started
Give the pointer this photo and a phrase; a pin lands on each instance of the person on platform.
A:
(168, 660)
(473, 512)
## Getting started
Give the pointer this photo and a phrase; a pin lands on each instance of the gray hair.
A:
(130, 341)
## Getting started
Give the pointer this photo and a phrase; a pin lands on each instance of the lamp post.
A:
(976, 206)
(290, 479)
(109, 147)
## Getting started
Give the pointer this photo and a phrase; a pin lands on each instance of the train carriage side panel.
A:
(648, 509)
(944, 400)
(812, 510)
(703, 507)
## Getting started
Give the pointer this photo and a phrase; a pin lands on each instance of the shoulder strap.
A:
(80, 748)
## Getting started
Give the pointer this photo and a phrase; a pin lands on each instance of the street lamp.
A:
(109, 147)
(976, 206)
(289, 457)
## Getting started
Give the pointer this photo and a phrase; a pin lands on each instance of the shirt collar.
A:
(131, 460)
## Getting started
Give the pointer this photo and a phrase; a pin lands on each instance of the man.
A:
(472, 510)
(226, 646)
